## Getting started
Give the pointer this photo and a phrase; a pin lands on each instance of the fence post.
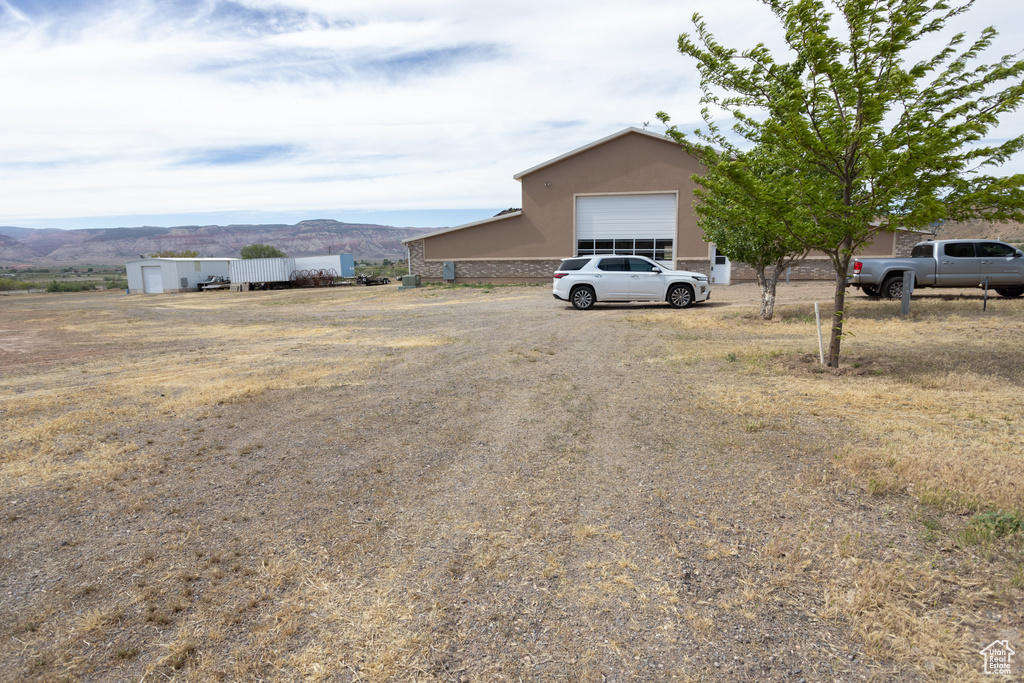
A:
(908, 289)
(821, 347)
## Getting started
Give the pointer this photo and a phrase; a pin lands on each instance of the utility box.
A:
(410, 282)
(448, 271)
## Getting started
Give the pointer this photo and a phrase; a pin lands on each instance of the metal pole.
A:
(821, 347)
(984, 305)
(908, 290)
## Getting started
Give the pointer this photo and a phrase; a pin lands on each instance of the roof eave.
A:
(474, 224)
(584, 148)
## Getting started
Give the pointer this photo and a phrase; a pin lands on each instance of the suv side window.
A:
(639, 265)
(959, 249)
(612, 265)
(995, 249)
(573, 263)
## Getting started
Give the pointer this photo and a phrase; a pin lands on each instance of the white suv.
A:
(585, 280)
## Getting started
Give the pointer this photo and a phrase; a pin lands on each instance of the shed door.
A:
(720, 268)
(628, 224)
(152, 280)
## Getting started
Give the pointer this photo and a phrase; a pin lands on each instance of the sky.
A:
(400, 112)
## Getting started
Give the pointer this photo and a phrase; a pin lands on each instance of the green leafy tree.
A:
(869, 141)
(741, 220)
(188, 253)
(261, 251)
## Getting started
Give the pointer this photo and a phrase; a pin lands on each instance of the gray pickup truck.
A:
(944, 263)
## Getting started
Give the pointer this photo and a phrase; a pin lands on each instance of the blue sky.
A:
(412, 113)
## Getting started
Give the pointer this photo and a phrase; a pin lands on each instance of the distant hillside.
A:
(1008, 232)
(111, 245)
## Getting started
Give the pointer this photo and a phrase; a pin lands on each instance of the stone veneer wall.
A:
(821, 268)
(809, 269)
(534, 270)
(482, 270)
(905, 242)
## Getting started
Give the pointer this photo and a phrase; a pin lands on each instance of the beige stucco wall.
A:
(528, 246)
(633, 162)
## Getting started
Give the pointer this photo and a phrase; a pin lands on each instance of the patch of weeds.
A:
(999, 524)
(126, 652)
(1018, 577)
(154, 616)
(752, 427)
(880, 487)
(731, 357)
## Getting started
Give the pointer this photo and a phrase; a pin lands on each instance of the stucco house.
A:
(628, 193)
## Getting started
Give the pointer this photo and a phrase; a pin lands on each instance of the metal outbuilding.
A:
(172, 275)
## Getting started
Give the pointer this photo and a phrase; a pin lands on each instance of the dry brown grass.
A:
(483, 485)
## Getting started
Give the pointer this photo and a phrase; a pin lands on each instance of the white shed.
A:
(172, 275)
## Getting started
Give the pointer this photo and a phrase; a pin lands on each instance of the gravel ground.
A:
(485, 485)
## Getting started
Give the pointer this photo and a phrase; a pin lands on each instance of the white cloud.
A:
(372, 104)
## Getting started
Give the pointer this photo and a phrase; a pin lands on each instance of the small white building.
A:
(172, 275)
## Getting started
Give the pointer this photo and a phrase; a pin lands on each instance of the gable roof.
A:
(500, 217)
(596, 143)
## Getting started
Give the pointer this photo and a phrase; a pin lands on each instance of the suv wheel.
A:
(582, 298)
(680, 296)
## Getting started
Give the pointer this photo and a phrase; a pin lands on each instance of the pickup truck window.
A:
(923, 251)
(958, 249)
(995, 249)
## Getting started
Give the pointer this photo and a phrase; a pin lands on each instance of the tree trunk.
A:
(767, 293)
(772, 286)
(768, 286)
(838, 305)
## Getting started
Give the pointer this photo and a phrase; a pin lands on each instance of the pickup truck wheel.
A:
(870, 291)
(1010, 292)
(892, 288)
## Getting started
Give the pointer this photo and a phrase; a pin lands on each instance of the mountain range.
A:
(50, 246)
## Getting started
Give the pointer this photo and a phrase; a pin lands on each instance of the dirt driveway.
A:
(467, 484)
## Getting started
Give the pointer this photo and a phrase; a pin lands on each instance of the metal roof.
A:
(442, 231)
(596, 143)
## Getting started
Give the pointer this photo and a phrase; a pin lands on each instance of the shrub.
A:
(84, 286)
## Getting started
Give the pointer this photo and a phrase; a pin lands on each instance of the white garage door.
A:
(641, 224)
(152, 281)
